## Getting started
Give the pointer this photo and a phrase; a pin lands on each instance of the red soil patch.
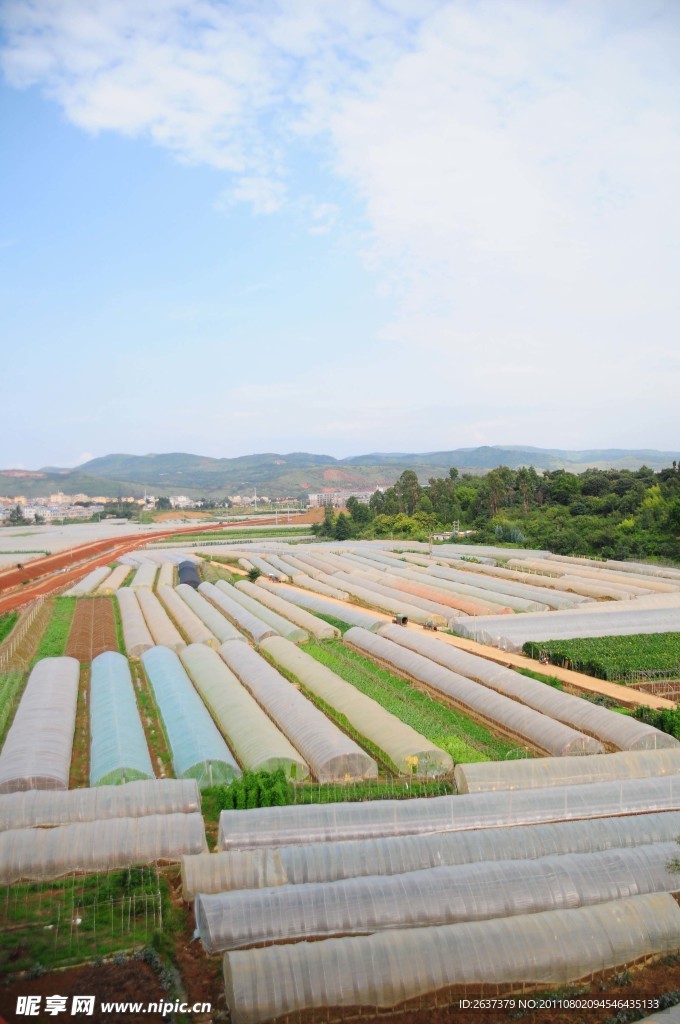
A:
(129, 982)
(93, 629)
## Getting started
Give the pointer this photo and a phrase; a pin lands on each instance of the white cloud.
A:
(517, 164)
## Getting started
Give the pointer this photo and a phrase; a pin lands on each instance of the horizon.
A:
(46, 467)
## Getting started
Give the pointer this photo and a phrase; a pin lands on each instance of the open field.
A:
(633, 659)
(93, 629)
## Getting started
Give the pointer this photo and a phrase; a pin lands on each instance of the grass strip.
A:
(7, 624)
(54, 639)
(462, 737)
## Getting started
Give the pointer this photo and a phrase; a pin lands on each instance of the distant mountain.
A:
(297, 473)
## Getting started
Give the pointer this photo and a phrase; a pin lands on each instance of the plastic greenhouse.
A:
(187, 620)
(617, 730)
(160, 626)
(330, 862)
(399, 741)
(433, 896)
(37, 751)
(40, 853)
(145, 575)
(313, 625)
(118, 750)
(136, 799)
(89, 583)
(214, 620)
(244, 619)
(166, 575)
(135, 630)
(331, 754)
(256, 741)
(310, 823)
(281, 625)
(547, 949)
(501, 713)
(115, 580)
(321, 606)
(198, 750)
(566, 771)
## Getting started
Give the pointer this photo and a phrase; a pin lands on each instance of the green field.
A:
(55, 637)
(453, 731)
(219, 536)
(7, 624)
(630, 658)
(67, 921)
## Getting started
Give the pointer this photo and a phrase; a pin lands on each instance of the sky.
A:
(235, 226)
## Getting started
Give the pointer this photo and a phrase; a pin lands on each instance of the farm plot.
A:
(54, 639)
(460, 736)
(93, 629)
(633, 658)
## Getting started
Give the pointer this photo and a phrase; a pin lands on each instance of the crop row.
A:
(615, 657)
(462, 737)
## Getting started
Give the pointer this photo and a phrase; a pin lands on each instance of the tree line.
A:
(607, 513)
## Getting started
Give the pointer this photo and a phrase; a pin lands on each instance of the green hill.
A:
(299, 473)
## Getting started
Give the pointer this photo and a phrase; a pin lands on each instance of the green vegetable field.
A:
(615, 657)
(462, 737)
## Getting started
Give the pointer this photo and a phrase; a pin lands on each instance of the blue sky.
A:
(407, 225)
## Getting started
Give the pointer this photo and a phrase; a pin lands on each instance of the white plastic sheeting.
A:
(115, 580)
(501, 713)
(330, 862)
(37, 751)
(215, 621)
(37, 854)
(399, 602)
(118, 750)
(434, 896)
(566, 771)
(323, 606)
(518, 604)
(317, 587)
(198, 750)
(281, 625)
(251, 734)
(382, 970)
(89, 583)
(189, 623)
(310, 623)
(310, 823)
(135, 630)
(331, 754)
(166, 575)
(145, 575)
(609, 726)
(469, 603)
(159, 624)
(266, 566)
(393, 737)
(379, 597)
(623, 618)
(255, 627)
(157, 796)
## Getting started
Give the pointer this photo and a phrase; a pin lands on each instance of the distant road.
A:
(45, 575)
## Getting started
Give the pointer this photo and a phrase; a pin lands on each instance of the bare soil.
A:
(93, 629)
(132, 981)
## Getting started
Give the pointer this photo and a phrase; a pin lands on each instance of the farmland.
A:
(54, 639)
(460, 736)
(7, 623)
(629, 658)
